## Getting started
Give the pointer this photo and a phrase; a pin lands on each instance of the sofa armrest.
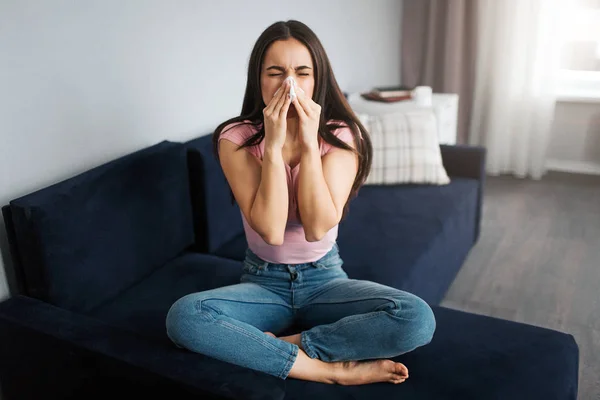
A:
(467, 162)
(464, 161)
(52, 353)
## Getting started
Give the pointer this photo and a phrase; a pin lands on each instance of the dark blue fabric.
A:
(85, 239)
(217, 220)
(218, 223)
(15, 277)
(235, 249)
(144, 306)
(467, 161)
(470, 357)
(48, 352)
(412, 237)
(108, 244)
(473, 357)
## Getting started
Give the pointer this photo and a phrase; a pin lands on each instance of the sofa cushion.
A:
(406, 147)
(473, 357)
(217, 220)
(87, 238)
(234, 249)
(143, 307)
(412, 237)
(470, 357)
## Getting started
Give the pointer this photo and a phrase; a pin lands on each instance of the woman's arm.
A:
(323, 189)
(323, 184)
(261, 190)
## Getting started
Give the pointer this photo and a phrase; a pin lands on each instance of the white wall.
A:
(575, 138)
(83, 82)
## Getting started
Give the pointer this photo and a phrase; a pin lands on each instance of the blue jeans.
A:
(345, 319)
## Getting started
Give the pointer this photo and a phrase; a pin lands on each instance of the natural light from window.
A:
(580, 49)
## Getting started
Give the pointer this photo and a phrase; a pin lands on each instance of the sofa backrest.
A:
(216, 219)
(85, 239)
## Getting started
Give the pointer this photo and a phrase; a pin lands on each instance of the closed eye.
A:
(280, 74)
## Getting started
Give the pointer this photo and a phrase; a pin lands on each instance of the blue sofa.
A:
(100, 257)
(412, 237)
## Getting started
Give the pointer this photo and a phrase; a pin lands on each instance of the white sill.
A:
(578, 86)
(578, 167)
(578, 97)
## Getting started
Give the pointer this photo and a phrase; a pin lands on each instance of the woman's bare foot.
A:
(371, 371)
(344, 372)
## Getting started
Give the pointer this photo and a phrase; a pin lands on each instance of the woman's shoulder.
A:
(342, 131)
(238, 132)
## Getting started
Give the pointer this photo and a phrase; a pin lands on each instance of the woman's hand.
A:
(275, 114)
(309, 114)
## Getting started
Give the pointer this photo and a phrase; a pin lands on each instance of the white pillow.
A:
(406, 148)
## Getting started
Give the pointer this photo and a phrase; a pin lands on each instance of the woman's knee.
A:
(421, 317)
(424, 319)
(427, 318)
(182, 314)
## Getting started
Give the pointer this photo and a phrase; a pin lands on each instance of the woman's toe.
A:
(401, 370)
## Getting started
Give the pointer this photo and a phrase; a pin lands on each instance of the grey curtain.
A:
(439, 49)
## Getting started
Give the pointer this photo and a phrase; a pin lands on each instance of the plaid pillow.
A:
(405, 148)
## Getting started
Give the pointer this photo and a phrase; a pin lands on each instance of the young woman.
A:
(293, 163)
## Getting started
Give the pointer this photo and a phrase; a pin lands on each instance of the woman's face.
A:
(286, 58)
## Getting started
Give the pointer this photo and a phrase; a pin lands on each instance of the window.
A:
(579, 76)
(581, 36)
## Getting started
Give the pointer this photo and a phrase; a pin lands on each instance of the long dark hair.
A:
(327, 94)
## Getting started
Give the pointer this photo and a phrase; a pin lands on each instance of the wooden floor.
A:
(538, 261)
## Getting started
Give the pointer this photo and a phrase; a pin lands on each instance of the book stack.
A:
(389, 94)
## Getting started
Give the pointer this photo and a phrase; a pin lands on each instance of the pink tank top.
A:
(295, 248)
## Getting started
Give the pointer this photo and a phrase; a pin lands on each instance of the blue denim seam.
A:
(353, 300)
(307, 346)
(410, 337)
(327, 267)
(237, 301)
(233, 327)
(198, 306)
(306, 341)
(256, 338)
(337, 325)
(290, 362)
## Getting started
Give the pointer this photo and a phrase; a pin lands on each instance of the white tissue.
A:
(292, 84)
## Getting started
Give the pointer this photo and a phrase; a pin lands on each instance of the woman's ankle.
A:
(313, 369)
